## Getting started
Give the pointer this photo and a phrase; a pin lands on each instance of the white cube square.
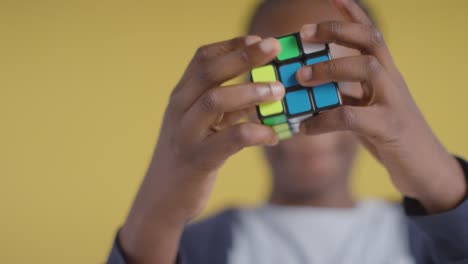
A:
(310, 48)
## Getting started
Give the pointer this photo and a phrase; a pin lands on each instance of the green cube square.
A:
(289, 48)
(275, 120)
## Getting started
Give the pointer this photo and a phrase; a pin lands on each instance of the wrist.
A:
(422, 169)
(446, 189)
(150, 237)
(152, 230)
(149, 248)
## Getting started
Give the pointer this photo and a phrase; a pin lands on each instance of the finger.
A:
(362, 120)
(352, 11)
(351, 89)
(365, 38)
(355, 14)
(233, 64)
(204, 54)
(231, 140)
(349, 100)
(232, 118)
(208, 109)
(349, 69)
(217, 49)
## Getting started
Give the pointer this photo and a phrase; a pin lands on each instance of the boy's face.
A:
(306, 165)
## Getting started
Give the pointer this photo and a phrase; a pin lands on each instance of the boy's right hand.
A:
(199, 132)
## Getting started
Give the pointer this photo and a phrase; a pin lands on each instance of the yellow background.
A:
(83, 86)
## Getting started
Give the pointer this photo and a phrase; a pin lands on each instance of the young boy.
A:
(310, 216)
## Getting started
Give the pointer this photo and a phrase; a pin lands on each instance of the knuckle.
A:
(206, 74)
(372, 64)
(348, 117)
(210, 102)
(259, 92)
(241, 135)
(375, 37)
(202, 53)
(335, 27)
(176, 101)
(244, 56)
(329, 67)
(173, 102)
(225, 47)
(174, 96)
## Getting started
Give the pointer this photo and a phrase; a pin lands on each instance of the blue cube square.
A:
(287, 74)
(326, 95)
(317, 60)
(298, 102)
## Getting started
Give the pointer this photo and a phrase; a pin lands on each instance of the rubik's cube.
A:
(299, 103)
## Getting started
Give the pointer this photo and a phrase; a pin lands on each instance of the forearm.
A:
(426, 171)
(153, 228)
(150, 242)
(446, 186)
(164, 204)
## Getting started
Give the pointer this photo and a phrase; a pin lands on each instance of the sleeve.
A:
(206, 241)
(116, 255)
(439, 238)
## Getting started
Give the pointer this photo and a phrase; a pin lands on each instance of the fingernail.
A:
(274, 141)
(306, 73)
(268, 45)
(249, 40)
(308, 31)
(276, 89)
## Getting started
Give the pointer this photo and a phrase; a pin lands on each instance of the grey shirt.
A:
(227, 237)
(371, 232)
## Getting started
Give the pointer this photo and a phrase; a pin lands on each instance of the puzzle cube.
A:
(299, 103)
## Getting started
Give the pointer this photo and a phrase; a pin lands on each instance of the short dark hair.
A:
(260, 6)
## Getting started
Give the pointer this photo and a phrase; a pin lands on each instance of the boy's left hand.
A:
(385, 118)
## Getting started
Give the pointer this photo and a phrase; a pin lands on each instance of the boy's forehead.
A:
(281, 17)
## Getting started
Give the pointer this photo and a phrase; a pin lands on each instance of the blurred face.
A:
(305, 165)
